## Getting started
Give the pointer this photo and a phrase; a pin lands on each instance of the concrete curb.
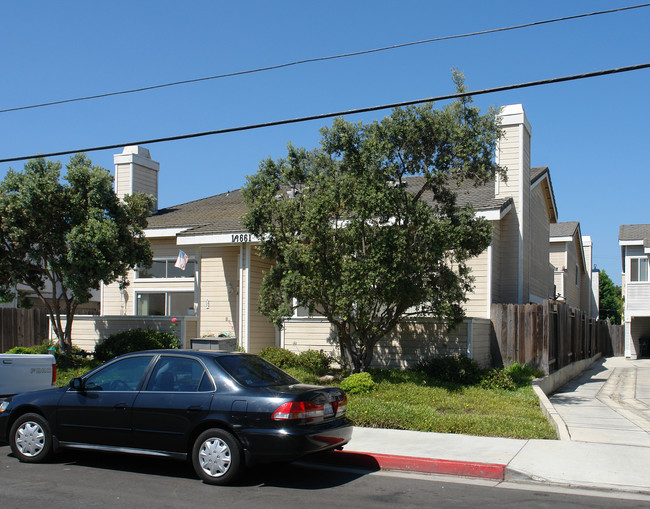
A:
(492, 471)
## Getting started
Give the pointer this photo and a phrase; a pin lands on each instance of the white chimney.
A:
(136, 172)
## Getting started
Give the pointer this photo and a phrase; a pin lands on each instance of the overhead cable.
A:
(321, 59)
(339, 113)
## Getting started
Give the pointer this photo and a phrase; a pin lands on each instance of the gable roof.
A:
(569, 231)
(540, 174)
(222, 213)
(566, 229)
(634, 234)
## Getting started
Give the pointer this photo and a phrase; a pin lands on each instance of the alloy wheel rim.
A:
(30, 439)
(214, 457)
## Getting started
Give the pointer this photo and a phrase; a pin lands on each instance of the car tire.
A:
(30, 438)
(217, 457)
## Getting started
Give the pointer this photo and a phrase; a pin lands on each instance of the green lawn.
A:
(410, 400)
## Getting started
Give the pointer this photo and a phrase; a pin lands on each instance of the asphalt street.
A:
(82, 479)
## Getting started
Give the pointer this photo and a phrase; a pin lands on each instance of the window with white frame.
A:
(302, 311)
(639, 269)
(164, 303)
(164, 268)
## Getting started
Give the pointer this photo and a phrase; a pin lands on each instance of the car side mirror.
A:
(77, 384)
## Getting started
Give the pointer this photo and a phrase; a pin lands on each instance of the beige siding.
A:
(88, 331)
(410, 342)
(557, 255)
(219, 275)
(571, 288)
(145, 180)
(122, 180)
(477, 303)
(302, 334)
(506, 272)
(261, 332)
(541, 275)
(481, 340)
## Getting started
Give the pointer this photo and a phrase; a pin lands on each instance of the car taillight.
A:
(342, 406)
(53, 374)
(299, 410)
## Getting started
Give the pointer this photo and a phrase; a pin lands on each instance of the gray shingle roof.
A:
(635, 232)
(219, 213)
(222, 213)
(566, 229)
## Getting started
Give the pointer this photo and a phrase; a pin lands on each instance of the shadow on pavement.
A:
(314, 473)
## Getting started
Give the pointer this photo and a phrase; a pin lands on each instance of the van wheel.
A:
(30, 438)
(216, 457)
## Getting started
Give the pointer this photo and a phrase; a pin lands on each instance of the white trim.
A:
(489, 280)
(131, 158)
(240, 299)
(153, 233)
(494, 214)
(630, 242)
(166, 289)
(520, 277)
(560, 239)
(101, 299)
(248, 295)
(217, 238)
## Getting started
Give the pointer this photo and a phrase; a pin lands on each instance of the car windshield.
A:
(253, 371)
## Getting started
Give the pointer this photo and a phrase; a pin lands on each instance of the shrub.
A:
(134, 341)
(455, 369)
(522, 374)
(62, 361)
(498, 379)
(314, 361)
(280, 357)
(358, 383)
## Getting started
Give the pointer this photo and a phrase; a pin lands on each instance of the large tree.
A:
(366, 231)
(610, 299)
(62, 237)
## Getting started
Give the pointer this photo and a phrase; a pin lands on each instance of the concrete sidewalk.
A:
(606, 411)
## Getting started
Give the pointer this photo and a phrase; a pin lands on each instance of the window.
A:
(638, 269)
(577, 275)
(121, 376)
(163, 268)
(178, 374)
(253, 371)
(165, 304)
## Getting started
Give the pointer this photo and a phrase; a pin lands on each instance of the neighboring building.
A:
(25, 294)
(218, 292)
(571, 256)
(634, 240)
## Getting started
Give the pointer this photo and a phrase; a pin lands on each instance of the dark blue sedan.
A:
(223, 410)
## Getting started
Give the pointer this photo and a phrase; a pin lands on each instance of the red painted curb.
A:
(491, 471)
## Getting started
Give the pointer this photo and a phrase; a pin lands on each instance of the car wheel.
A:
(216, 457)
(30, 438)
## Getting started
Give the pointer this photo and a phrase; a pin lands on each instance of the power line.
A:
(341, 113)
(322, 59)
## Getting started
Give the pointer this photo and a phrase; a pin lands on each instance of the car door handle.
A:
(121, 406)
(194, 408)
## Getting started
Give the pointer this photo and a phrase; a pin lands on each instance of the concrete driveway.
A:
(608, 403)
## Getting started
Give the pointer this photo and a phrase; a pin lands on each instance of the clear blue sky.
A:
(593, 134)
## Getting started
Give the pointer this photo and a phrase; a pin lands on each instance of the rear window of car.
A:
(253, 371)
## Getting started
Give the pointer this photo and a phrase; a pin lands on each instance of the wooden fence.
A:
(550, 335)
(22, 327)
